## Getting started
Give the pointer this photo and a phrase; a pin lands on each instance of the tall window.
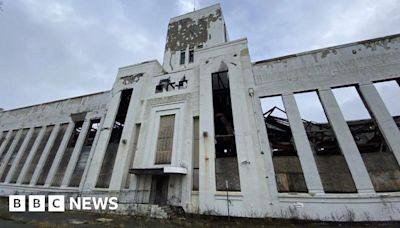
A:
(165, 139)
(226, 163)
(191, 56)
(182, 59)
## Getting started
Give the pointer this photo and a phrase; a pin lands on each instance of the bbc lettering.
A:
(56, 203)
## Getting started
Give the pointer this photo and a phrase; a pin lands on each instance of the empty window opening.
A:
(390, 93)
(332, 166)
(288, 171)
(132, 158)
(107, 166)
(52, 154)
(182, 59)
(10, 161)
(191, 56)
(84, 154)
(8, 145)
(21, 162)
(380, 162)
(195, 154)
(226, 163)
(165, 139)
(37, 155)
(62, 166)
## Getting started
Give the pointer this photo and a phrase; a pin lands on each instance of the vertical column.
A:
(43, 157)
(3, 146)
(31, 155)
(8, 153)
(303, 147)
(60, 152)
(75, 153)
(382, 117)
(346, 142)
(19, 154)
(101, 147)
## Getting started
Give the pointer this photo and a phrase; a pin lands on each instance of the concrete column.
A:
(31, 155)
(44, 155)
(7, 139)
(125, 151)
(19, 155)
(60, 153)
(101, 147)
(346, 142)
(385, 121)
(75, 153)
(7, 156)
(303, 147)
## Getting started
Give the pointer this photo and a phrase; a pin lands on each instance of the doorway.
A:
(159, 189)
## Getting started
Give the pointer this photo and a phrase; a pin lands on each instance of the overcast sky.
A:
(52, 49)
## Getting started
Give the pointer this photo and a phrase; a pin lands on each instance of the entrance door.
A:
(159, 189)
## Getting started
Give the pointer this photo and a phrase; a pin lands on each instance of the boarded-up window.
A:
(52, 154)
(38, 154)
(84, 155)
(13, 155)
(165, 139)
(25, 154)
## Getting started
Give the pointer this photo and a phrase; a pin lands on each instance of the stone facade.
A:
(192, 132)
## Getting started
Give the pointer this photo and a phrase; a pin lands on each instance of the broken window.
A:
(134, 148)
(182, 59)
(380, 162)
(165, 139)
(288, 171)
(21, 162)
(8, 145)
(107, 166)
(52, 154)
(226, 163)
(332, 166)
(62, 166)
(13, 155)
(84, 154)
(195, 154)
(191, 55)
(390, 93)
(37, 154)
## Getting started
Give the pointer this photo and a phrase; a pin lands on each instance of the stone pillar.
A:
(303, 147)
(8, 153)
(75, 153)
(19, 154)
(5, 142)
(31, 155)
(346, 142)
(101, 147)
(385, 121)
(43, 157)
(60, 153)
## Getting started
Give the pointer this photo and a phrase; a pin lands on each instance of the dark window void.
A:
(390, 94)
(8, 145)
(132, 158)
(195, 154)
(191, 56)
(165, 139)
(3, 137)
(332, 166)
(25, 153)
(380, 162)
(57, 179)
(84, 154)
(52, 154)
(182, 57)
(288, 172)
(226, 164)
(13, 155)
(107, 166)
(37, 155)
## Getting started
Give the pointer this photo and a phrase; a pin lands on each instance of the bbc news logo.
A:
(56, 203)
